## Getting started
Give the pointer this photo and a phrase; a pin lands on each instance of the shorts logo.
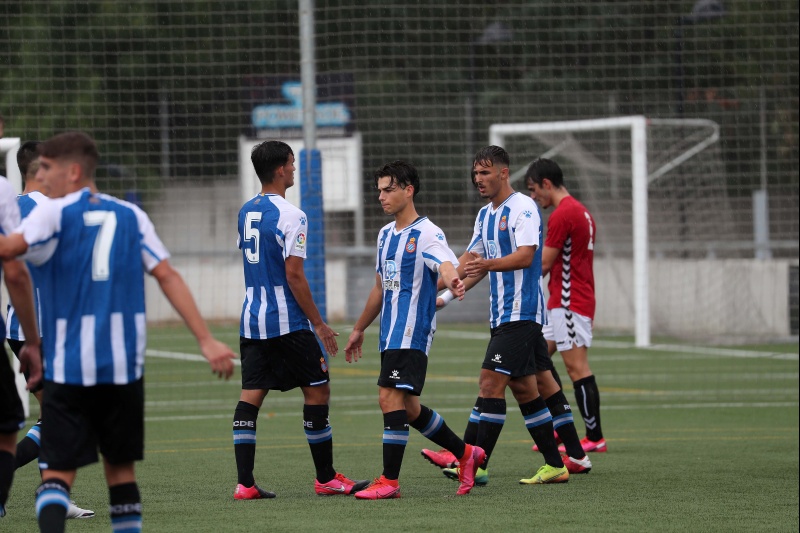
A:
(503, 223)
(300, 241)
(394, 375)
(322, 364)
(497, 358)
(492, 249)
(411, 246)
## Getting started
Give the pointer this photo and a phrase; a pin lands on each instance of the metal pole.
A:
(308, 74)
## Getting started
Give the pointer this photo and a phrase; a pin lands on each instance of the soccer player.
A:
(20, 291)
(278, 348)
(504, 243)
(568, 256)
(32, 195)
(94, 250)
(412, 253)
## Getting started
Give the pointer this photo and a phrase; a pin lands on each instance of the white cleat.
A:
(73, 511)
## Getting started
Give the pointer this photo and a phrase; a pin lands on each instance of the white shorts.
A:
(566, 330)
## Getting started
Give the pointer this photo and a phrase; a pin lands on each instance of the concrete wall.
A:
(692, 298)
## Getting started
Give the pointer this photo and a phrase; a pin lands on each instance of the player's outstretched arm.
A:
(296, 278)
(352, 351)
(218, 354)
(20, 292)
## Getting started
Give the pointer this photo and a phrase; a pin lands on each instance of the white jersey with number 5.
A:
(96, 249)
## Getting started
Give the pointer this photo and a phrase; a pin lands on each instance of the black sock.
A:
(433, 427)
(125, 508)
(540, 426)
(395, 438)
(52, 501)
(557, 377)
(588, 398)
(320, 439)
(564, 424)
(493, 416)
(471, 433)
(244, 441)
(6, 475)
(28, 447)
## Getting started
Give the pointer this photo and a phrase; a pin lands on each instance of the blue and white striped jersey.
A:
(513, 295)
(26, 203)
(270, 230)
(96, 249)
(408, 265)
(9, 220)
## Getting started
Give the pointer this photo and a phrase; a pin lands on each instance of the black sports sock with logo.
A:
(493, 417)
(244, 441)
(320, 439)
(395, 439)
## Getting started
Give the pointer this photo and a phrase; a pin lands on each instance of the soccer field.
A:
(699, 438)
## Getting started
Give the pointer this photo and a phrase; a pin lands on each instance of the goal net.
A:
(656, 188)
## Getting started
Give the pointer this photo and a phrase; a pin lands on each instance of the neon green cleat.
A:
(481, 476)
(548, 474)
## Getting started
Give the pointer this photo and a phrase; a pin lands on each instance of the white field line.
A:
(376, 411)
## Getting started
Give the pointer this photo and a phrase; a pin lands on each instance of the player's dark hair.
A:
(491, 154)
(268, 157)
(545, 168)
(27, 153)
(74, 145)
(403, 174)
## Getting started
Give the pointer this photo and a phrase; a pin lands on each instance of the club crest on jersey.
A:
(503, 223)
(300, 241)
(411, 245)
(322, 364)
(389, 275)
(492, 249)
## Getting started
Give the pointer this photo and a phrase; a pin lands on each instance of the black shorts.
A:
(283, 363)
(12, 416)
(513, 348)
(79, 420)
(403, 369)
(16, 346)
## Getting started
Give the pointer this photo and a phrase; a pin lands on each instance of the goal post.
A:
(640, 176)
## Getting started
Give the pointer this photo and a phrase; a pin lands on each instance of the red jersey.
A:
(571, 230)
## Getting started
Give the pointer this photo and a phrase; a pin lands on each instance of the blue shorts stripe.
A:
(538, 418)
(502, 370)
(404, 386)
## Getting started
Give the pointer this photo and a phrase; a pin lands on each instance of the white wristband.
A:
(446, 296)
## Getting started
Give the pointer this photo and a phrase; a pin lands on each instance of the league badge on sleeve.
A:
(300, 241)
